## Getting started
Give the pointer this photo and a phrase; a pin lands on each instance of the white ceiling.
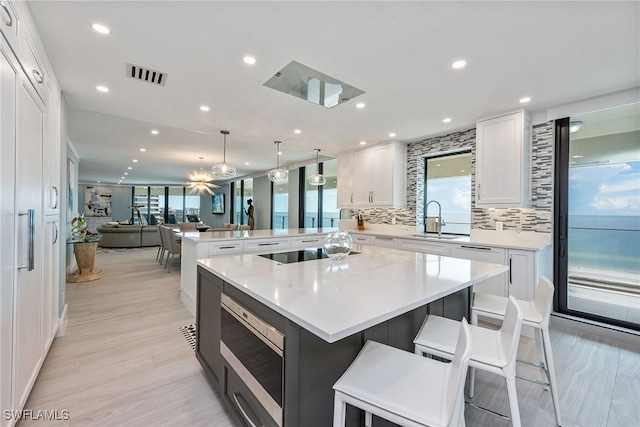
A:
(399, 53)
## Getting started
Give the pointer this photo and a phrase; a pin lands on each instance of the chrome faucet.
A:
(440, 221)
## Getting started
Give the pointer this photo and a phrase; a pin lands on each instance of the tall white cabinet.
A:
(30, 177)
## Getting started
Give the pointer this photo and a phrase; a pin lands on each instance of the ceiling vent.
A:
(146, 75)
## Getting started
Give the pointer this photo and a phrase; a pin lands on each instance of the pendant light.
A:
(318, 178)
(199, 181)
(224, 169)
(278, 175)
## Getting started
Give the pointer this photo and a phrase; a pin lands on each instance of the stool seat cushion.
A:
(497, 305)
(441, 334)
(398, 381)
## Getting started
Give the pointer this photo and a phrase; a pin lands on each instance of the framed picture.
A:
(217, 203)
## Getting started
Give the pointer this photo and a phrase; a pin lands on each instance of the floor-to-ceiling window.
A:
(448, 181)
(238, 213)
(318, 203)
(140, 204)
(247, 193)
(311, 198)
(280, 206)
(330, 211)
(598, 215)
(175, 209)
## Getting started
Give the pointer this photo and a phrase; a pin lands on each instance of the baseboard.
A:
(62, 322)
(188, 302)
(604, 330)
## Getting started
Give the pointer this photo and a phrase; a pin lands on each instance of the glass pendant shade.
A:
(278, 175)
(317, 178)
(199, 181)
(224, 169)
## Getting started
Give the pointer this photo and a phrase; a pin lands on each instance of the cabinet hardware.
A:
(510, 281)
(351, 198)
(8, 23)
(372, 197)
(384, 238)
(55, 205)
(30, 214)
(38, 76)
(55, 239)
(310, 241)
(268, 244)
(226, 247)
(475, 247)
(242, 411)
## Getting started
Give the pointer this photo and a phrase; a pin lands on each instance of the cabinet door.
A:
(495, 285)
(382, 176)
(425, 247)
(10, 26)
(362, 162)
(8, 84)
(385, 242)
(345, 180)
(522, 274)
(50, 280)
(499, 161)
(28, 298)
(52, 155)
(208, 324)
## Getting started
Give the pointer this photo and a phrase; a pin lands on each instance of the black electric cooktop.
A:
(298, 256)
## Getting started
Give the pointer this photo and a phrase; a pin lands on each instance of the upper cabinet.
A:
(9, 23)
(374, 177)
(503, 161)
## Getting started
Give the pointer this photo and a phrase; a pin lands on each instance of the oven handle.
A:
(253, 330)
(242, 411)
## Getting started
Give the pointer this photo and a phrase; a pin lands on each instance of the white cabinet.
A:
(266, 245)
(503, 161)
(51, 268)
(385, 242)
(311, 241)
(51, 155)
(227, 247)
(374, 177)
(495, 285)
(10, 23)
(362, 239)
(425, 246)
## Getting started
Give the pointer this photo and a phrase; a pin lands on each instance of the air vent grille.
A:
(146, 75)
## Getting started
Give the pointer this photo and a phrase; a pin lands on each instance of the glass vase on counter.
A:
(338, 245)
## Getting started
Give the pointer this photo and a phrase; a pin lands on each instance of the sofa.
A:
(128, 236)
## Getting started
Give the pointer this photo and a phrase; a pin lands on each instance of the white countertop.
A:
(335, 300)
(252, 234)
(510, 239)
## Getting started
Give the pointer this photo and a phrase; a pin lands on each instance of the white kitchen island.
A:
(196, 245)
(323, 312)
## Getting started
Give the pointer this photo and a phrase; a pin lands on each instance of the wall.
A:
(211, 219)
(120, 200)
(537, 218)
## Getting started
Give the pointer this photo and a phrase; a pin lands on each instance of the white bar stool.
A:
(492, 351)
(404, 388)
(536, 314)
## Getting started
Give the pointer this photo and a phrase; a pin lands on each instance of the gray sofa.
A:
(128, 236)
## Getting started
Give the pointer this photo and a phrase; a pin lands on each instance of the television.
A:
(217, 203)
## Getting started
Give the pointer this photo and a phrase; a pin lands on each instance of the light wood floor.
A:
(123, 362)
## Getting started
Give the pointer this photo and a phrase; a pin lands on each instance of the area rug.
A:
(189, 333)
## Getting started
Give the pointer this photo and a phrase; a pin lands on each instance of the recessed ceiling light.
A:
(155, 132)
(297, 131)
(525, 100)
(461, 170)
(447, 120)
(459, 64)
(103, 89)
(101, 29)
(135, 160)
(204, 108)
(577, 156)
(279, 153)
(246, 163)
(126, 173)
(363, 142)
(98, 182)
(249, 60)
(391, 135)
(438, 165)
(122, 177)
(360, 105)
(143, 149)
(129, 168)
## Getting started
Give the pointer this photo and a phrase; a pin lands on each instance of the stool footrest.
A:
(488, 411)
(533, 380)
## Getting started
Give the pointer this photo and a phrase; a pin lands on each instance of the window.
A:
(448, 181)
(176, 205)
(140, 204)
(237, 203)
(280, 206)
(319, 203)
(310, 199)
(330, 211)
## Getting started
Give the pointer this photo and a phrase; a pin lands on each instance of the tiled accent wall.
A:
(537, 218)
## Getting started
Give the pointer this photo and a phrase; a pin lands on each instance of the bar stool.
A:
(536, 314)
(492, 351)
(404, 388)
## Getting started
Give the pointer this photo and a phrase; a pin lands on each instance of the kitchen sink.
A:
(435, 236)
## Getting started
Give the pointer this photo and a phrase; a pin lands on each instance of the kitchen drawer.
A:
(497, 285)
(266, 245)
(311, 241)
(225, 248)
(385, 242)
(10, 25)
(362, 239)
(33, 67)
(245, 405)
(425, 246)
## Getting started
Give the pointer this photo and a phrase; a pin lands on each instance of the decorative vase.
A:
(338, 245)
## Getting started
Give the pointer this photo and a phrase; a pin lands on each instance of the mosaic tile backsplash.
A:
(536, 218)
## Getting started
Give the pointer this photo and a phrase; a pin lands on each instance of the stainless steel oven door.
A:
(255, 351)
